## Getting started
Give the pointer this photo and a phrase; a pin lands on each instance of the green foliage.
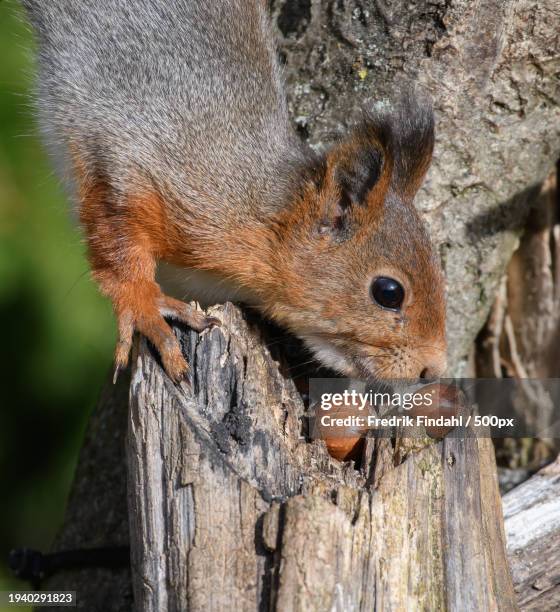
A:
(57, 332)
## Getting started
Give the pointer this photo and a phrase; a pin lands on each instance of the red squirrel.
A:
(171, 122)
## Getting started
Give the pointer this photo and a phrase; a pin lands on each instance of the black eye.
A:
(387, 292)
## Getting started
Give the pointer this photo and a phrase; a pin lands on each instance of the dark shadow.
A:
(510, 215)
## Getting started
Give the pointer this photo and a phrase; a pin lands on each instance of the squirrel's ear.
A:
(359, 171)
(390, 149)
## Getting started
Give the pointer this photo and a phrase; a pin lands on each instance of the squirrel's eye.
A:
(387, 292)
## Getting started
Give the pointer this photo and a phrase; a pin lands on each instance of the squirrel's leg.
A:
(122, 256)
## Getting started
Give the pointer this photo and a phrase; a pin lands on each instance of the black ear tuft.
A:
(359, 172)
(412, 126)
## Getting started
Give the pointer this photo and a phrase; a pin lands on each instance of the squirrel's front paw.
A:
(185, 313)
(149, 321)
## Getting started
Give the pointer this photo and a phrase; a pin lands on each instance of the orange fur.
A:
(124, 240)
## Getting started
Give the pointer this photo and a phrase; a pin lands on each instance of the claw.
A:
(185, 313)
(185, 380)
(153, 326)
(176, 371)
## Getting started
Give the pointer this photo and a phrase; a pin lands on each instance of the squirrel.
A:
(170, 121)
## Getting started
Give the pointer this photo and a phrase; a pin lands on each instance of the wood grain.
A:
(231, 506)
(532, 525)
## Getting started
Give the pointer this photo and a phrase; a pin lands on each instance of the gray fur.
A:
(152, 89)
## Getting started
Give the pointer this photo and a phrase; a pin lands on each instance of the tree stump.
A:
(230, 505)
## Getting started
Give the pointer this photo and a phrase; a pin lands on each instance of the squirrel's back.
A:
(187, 94)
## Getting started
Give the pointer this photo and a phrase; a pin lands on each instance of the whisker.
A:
(423, 346)
(301, 365)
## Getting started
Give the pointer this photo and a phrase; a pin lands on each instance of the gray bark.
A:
(228, 506)
(231, 506)
(96, 514)
(532, 524)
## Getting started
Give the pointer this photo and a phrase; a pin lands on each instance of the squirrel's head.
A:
(358, 279)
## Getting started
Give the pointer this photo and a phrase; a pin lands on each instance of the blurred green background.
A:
(57, 332)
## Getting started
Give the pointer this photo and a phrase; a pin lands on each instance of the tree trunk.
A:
(229, 505)
(97, 514)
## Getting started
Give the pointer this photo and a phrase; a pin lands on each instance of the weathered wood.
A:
(532, 525)
(521, 338)
(531, 345)
(96, 514)
(231, 506)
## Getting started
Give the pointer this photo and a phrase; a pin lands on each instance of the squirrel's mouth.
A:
(353, 358)
(334, 358)
(355, 361)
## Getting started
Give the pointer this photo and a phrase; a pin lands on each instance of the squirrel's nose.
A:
(435, 366)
